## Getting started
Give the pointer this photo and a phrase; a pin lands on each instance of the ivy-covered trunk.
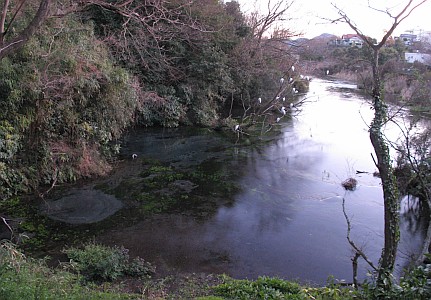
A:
(390, 189)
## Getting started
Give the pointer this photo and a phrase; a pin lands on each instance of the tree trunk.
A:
(10, 46)
(390, 189)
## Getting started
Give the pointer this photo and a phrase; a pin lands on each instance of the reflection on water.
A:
(287, 220)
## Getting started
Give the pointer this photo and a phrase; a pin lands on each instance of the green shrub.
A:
(262, 288)
(97, 262)
(139, 267)
(26, 278)
(415, 284)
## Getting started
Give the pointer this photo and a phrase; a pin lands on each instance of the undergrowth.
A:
(85, 277)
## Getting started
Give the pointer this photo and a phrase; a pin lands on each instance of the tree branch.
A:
(8, 47)
(357, 250)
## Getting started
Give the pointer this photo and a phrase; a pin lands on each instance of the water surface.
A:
(286, 219)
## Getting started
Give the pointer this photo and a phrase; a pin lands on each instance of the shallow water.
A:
(287, 219)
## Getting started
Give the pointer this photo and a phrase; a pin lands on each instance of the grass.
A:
(26, 278)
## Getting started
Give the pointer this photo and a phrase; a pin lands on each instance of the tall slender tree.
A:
(381, 148)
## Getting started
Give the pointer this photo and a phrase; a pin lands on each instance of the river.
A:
(286, 218)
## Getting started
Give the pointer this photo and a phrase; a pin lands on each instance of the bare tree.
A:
(262, 23)
(266, 54)
(381, 148)
(157, 17)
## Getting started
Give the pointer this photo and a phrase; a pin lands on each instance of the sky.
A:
(308, 16)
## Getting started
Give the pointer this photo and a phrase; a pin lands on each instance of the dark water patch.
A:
(82, 206)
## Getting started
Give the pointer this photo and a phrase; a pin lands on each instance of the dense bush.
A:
(63, 104)
(98, 262)
(26, 278)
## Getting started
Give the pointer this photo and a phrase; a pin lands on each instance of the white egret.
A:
(301, 76)
(278, 119)
(293, 68)
(281, 80)
(236, 128)
(290, 80)
(259, 100)
(283, 110)
(284, 99)
(291, 105)
(278, 97)
(134, 156)
(294, 90)
(327, 72)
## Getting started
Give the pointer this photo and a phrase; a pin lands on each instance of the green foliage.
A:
(63, 104)
(388, 53)
(26, 278)
(416, 284)
(276, 288)
(262, 288)
(97, 262)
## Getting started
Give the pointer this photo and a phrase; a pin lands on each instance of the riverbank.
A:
(22, 277)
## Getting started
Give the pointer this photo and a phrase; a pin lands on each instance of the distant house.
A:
(348, 40)
(423, 58)
(353, 40)
(408, 38)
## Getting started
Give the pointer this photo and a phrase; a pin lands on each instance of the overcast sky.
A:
(308, 16)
